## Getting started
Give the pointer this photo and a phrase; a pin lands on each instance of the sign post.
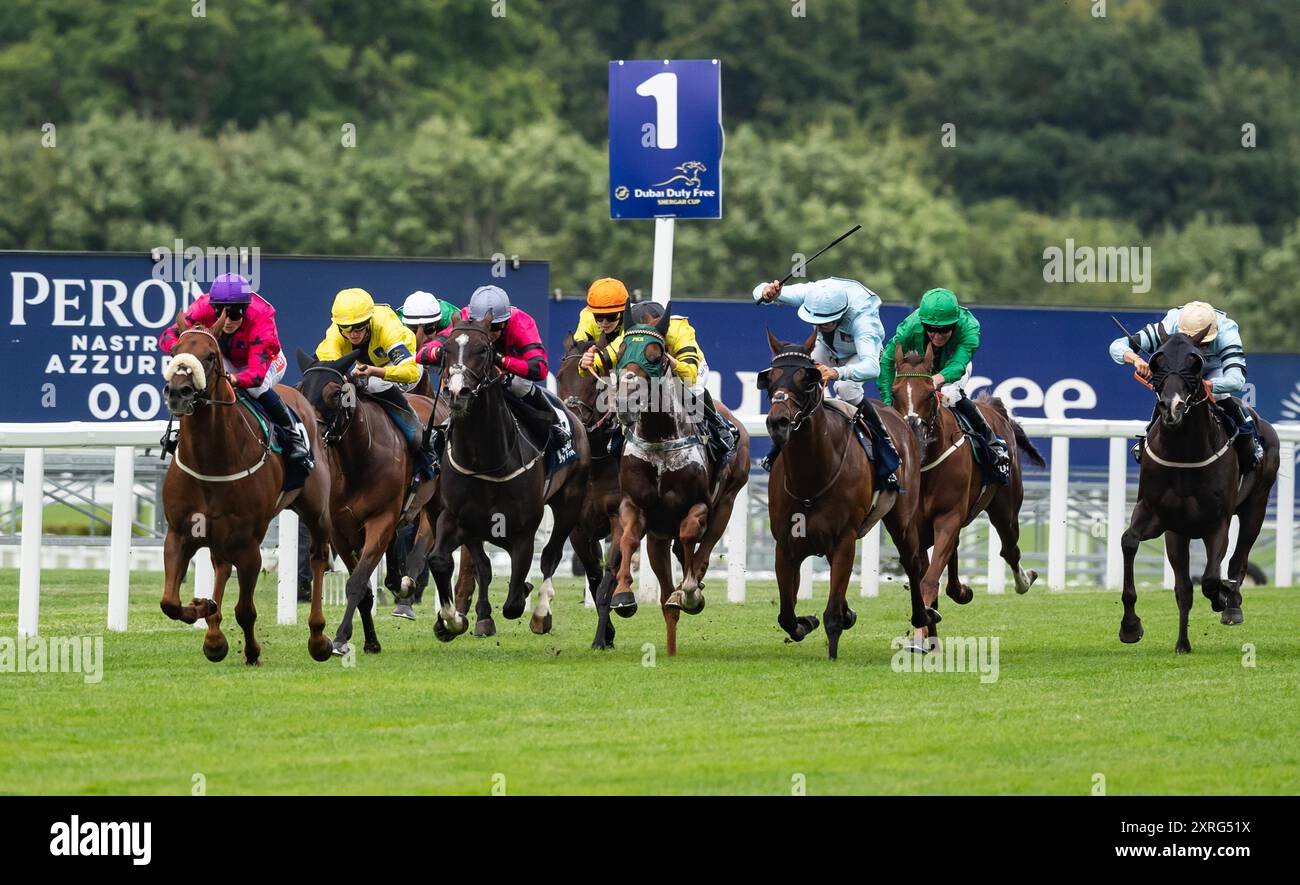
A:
(665, 149)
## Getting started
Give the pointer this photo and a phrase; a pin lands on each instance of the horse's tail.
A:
(1022, 441)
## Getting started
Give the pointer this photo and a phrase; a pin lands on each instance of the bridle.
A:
(333, 430)
(480, 381)
(220, 373)
(796, 360)
(582, 407)
(931, 426)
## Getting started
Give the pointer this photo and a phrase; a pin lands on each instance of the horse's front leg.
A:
(1144, 525)
(521, 560)
(450, 623)
(1177, 549)
(947, 526)
(475, 564)
(631, 528)
(787, 582)
(690, 532)
(1221, 594)
(249, 564)
(215, 646)
(178, 550)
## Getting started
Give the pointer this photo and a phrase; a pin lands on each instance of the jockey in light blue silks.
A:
(1225, 367)
(847, 316)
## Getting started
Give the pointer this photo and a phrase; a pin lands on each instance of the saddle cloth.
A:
(294, 474)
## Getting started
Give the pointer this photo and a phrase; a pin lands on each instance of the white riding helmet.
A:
(490, 298)
(421, 308)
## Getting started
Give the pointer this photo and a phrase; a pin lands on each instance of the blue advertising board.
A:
(80, 339)
(665, 139)
(1043, 362)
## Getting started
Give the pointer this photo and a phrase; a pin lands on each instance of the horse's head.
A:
(793, 385)
(195, 369)
(326, 386)
(1176, 373)
(468, 360)
(578, 392)
(914, 394)
(642, 363)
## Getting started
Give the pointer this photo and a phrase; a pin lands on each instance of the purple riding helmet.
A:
(230, 288)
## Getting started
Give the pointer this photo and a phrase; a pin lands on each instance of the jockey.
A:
(386, 368)
(954, 333)
(847, 314)
(1225, 367)
(244, 325)
(426, 315)
(519, 354)
(606, 300)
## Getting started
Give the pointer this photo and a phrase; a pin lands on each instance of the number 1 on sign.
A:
(663, 89)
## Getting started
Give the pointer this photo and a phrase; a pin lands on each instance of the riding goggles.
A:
(355, 327)
(234, 311)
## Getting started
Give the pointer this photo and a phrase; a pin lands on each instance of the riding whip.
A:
(824, 249)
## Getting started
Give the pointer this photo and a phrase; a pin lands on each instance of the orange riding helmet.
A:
(606, 295)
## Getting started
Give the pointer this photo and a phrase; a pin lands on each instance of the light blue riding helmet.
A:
(490, 298)
(824, 306)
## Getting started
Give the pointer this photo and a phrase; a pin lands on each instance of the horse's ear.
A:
(305, 362)
(662, 326)
(181, 325)
(486, 323)
(811, 342)
(568, 342)
(898, 357)
(627, 316)
(929, 354)
(344, 363)
(1200, 336)
(776, 345)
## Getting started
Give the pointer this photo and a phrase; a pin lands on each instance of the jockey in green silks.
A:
(954, 333)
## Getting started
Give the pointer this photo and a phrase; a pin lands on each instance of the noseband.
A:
(796, 360)
(204, 395)
(931, 426)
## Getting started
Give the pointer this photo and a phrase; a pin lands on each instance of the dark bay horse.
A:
(223, 488)
(822, 496)
(953, 491)
(493, 485)
(672, 494)
(599, 520)
(370, 466)
(1190, 485)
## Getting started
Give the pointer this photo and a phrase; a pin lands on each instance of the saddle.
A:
(980, 450)
(876, 448)
(294, 474)
(537, 425)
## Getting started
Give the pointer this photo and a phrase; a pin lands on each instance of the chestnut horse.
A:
(223, 488)
(494, 487)
(371, 467)
(1190, 485)
(672, 494)
(953, 491)
(823, 494)
(599, 520)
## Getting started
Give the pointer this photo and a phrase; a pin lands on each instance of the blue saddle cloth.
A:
(558, 456)
(980, 450)
(877, 450)
(294, 474)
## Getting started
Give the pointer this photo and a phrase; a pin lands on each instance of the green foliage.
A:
(478, 132)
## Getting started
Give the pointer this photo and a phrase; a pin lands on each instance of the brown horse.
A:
(223, 488)
(823, 494)
(672, 494)
(952, 486)
(1190, 485)
(600, 519)
(371, 467)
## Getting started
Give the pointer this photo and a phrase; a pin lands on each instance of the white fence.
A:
(125, 437)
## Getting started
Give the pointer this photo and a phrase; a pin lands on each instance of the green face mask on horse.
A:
(636, 341)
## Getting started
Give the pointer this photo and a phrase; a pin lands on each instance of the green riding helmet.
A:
(939, 308)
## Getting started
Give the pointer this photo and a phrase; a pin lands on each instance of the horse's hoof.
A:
(675, 600)
(933, 615)
(1231, 616)
(485, 627)
(693, 611)
(850, 618)
(806, 624)
(404, 611)
(1132, 634)
(216, 653)
(540, 625)
(406, 588)
(440, 631)
(254, 662)
(340, 648)
(512, 611)
(963, 595)
(320, 649)
(1032, 576)
(623, 604)
(372, 648)
(915, 646)
(1182, 648)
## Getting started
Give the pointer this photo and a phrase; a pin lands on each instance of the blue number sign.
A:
(665, 139)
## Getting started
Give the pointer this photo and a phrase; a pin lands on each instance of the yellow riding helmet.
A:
(352, 307)
(607, 295)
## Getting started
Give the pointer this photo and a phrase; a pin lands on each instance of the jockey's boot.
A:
(299, 450)
(1249, 450)
(767, 460)
(556, 436)
(968, 410)
(887, 459)
(721, 436)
